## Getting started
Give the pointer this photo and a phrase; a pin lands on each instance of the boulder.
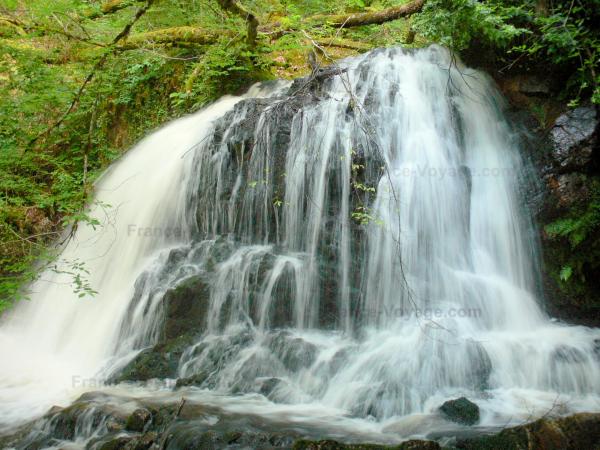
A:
(138, 420)
(147, 365)
(186, 307)
(294, 352)
(461, 411)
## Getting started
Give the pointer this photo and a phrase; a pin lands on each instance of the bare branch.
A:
(122, 35)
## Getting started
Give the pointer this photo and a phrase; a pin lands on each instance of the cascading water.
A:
(359, 249)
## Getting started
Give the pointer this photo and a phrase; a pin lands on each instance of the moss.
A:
(147, 365)
(186, 308)
(174, 35)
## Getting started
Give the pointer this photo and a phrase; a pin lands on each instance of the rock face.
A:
(461, 411)
(575, 135)
(569, 216)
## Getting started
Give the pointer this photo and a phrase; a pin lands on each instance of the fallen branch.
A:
(175, 35)
(200, 36)
(370, 18)
(112, 6)
(344, 43)
(181, 405)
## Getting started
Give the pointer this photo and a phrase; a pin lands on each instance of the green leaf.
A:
(565, 273)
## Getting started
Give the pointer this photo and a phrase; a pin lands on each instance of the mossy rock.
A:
(186, 307)
(576, 432)
(147, 365)
(138, 420)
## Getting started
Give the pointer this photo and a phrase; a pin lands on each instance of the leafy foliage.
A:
(581, 229)
(564, 35)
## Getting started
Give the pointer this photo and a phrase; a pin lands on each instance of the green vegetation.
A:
(81, 80)
(580, 228)
(559, 34)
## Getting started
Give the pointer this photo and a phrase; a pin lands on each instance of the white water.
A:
(445, 236)
(56, 342)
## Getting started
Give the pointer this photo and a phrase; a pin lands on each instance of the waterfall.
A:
(364, 247)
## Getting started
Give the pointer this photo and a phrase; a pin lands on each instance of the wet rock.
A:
(159, 362)
(149, 364)
(334, 445)
(68, 422)
(138, 420)
(113, 425)
(574, 137)
(576, 432)
(316, 82)
(184, 314)
(294, 352)
(233, 435)
(198, 379)
(258, 365)
(480, 367)
(87, 416)
(212, 356)
(461, 411)
(186, 308)
(119, 443)
(568, 355)
(142, 442)
(339, 359)
(369, 401)
(269, 385)
(145, 442)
